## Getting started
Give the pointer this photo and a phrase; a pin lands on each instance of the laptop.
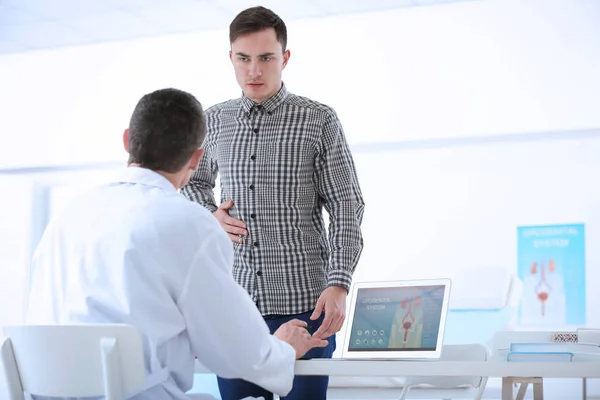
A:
(397, 320)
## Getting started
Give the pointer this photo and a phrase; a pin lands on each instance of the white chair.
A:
(482, 301)
(451, 387)
(71, 361)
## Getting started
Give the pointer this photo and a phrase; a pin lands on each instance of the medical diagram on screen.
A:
(407, 328)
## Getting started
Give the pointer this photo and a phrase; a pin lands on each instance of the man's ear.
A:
(286, 57)
(195, 160)
(126, 140)
(230, 56)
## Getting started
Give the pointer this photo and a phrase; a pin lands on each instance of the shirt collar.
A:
(144, 176)
(268, 105)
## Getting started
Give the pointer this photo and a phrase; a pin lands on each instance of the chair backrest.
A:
(468, 323)
(458, 352)
(468, 292)
(10, 383)
(73, 360)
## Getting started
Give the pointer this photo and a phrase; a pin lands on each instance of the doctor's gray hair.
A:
(165, 129)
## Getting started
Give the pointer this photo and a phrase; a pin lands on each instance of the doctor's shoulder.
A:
(75, 204)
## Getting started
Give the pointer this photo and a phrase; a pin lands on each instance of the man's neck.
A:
(268, 98)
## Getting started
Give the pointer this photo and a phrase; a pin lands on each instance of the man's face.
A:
(258, 60)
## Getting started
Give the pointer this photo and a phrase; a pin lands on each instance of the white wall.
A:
(465, 69)
(15, 240)
(433, 212)
(28, 201)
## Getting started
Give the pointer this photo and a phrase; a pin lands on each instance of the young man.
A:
(135, 251)
(282, 158)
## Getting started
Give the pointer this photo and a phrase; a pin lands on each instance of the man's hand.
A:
(233, 226)
(333, 302)
(294, 333)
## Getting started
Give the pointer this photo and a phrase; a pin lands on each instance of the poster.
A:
(551, 264)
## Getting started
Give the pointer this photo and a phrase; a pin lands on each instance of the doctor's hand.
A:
(294, 333)
(233, 226)
(333, 302)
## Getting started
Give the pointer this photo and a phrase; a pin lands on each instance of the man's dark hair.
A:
(165, 129)
(256, 19)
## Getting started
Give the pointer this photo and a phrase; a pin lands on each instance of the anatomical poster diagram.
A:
(551, 264)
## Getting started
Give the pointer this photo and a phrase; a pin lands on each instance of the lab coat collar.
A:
(145, 176)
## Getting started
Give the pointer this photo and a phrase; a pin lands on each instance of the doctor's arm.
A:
(228, 334)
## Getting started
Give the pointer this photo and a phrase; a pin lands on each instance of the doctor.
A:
(135, 251)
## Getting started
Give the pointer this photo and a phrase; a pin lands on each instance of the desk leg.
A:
(584, 388)
(522, 390)
(507, 388)
(538, 389)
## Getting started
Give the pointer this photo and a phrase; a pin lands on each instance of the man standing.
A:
(282, 158)
(136, 252)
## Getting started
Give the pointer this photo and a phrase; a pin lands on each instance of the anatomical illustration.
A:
(407, 328)
(543, 300)
(543, 288)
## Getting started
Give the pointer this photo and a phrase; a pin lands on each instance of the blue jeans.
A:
(304, 387)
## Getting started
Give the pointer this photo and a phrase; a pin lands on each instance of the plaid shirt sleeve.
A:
(337, 184)
(202, 183)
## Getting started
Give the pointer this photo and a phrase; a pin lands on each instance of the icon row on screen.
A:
(366, 341)
(370, 332)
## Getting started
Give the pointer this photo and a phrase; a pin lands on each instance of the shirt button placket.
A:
(252, 196)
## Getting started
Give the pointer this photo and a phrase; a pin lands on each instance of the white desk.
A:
(492, 368)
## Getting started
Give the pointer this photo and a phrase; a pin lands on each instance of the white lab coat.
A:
(137, 252)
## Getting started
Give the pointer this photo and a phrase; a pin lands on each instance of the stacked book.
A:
(581, 346)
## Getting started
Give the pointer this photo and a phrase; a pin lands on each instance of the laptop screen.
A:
(403, 318)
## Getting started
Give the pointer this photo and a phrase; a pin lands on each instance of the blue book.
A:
(534, 356)
(551, 347)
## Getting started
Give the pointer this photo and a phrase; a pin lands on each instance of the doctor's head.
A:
(165, 133)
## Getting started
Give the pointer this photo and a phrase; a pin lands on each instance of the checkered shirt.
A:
(282, 162)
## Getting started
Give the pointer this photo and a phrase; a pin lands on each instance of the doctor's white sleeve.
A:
(227, 332)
